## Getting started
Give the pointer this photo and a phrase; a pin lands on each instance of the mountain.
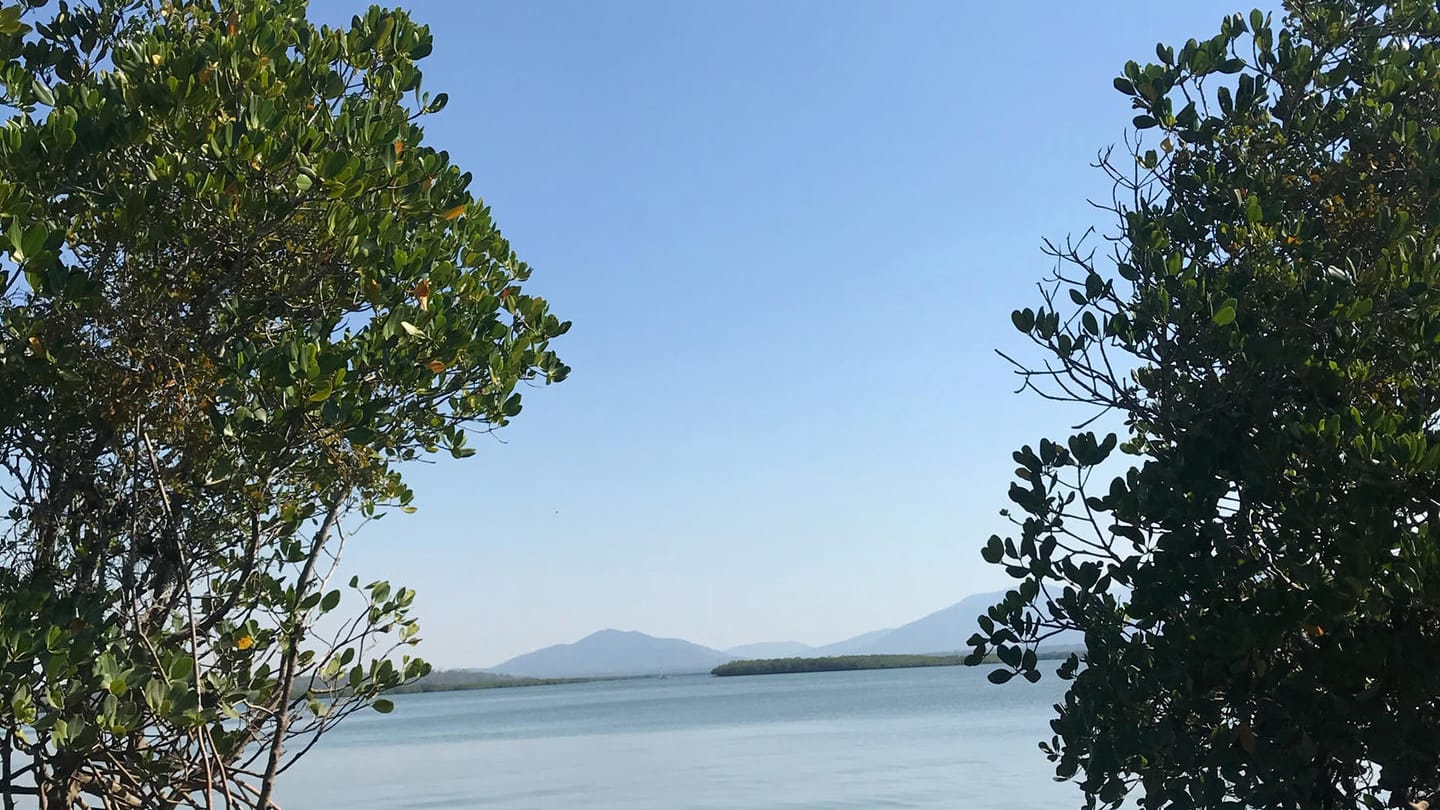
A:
(615, 652)
(944, 631)
(853, 646)
(772, 649)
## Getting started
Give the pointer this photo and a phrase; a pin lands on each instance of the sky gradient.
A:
(789, 235)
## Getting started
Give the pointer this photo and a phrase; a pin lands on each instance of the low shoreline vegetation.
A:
(773, 666)
(461, 680)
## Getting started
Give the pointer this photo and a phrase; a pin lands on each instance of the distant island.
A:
(835, 663)
(455, 680)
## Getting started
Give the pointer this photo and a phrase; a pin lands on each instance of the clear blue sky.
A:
(790, 235)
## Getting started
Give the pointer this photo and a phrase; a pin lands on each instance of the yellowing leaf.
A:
(156, 59)
(454, 213)
(435, 366)
(399, 147)
(372, 292)
(1166, 146)
(411, 329)
(245, 642)
(36, 346)
(422, 292)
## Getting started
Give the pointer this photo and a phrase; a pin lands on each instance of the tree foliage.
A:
(238, 290)
(1256, 572)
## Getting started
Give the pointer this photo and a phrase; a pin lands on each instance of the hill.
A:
(612, 653)
(855, 645)
(771, 649)
(944, 631)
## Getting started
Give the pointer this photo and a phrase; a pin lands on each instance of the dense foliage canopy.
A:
(237, 289)
(1256, 573)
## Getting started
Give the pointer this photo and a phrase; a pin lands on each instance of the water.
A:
(918, 738)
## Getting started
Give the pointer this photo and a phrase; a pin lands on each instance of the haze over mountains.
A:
(617, 652)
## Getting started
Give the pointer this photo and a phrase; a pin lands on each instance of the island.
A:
(456, 680)
(837, 663)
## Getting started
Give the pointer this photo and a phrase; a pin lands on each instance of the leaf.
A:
(331, 600)
(994, 550)
(383, 706)
(421, 292)
(411, 329)
(999, 676)
(1226, 314)
(32, 240)
(245, 642)
(435, 366)
(456, 212)
(1253, 212)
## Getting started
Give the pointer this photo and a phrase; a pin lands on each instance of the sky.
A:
(790, 235)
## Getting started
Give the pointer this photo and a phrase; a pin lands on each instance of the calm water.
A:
(931, 738)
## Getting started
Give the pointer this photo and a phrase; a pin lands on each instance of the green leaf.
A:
(383, 706)
(1000, 676)
(1023, 319)
(1253, 212)
(29, 241)
(994, 550)
(1226, 314)
(331, 600)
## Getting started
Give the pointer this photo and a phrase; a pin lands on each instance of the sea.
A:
(939, 737)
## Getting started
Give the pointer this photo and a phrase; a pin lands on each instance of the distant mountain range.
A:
(615, 652)
(618, 652)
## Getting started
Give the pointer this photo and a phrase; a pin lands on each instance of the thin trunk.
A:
(6, 751)
(40, 791)
(292, 651)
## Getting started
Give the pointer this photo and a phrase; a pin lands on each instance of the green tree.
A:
(238, 292)
(1259, 586)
